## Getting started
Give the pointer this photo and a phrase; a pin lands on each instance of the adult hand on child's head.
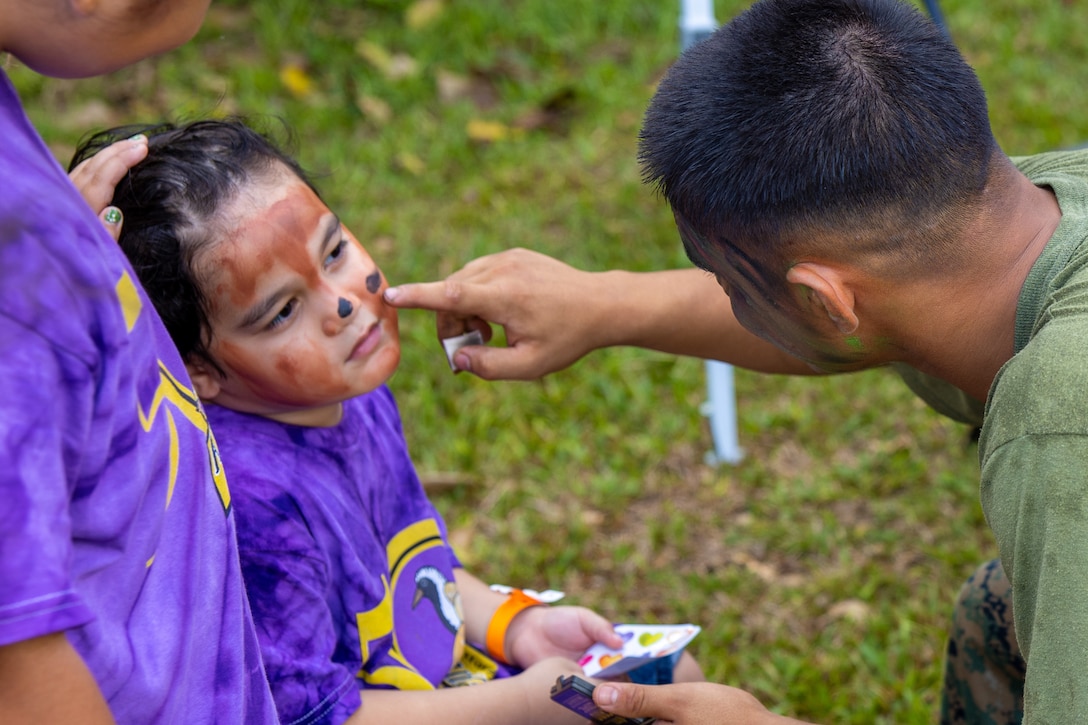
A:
(537, 633)
(543, 304)
(689, 703)
(96, 178)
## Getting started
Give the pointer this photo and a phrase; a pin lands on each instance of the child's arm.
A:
(543, 640)
(523, 699)
(535, 633)
(44, 680)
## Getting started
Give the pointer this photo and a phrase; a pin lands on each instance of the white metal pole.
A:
(696, 23)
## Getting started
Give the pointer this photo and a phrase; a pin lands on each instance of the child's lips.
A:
(367, 343)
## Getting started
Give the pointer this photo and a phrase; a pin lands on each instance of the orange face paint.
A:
(278, 278)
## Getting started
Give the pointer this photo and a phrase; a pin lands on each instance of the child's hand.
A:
(537, 682)
(97, 177)
(540, 632)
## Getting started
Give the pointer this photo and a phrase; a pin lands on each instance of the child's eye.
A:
(283, 315)
(336, 252)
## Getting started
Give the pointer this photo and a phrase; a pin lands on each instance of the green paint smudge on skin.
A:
(855, 342)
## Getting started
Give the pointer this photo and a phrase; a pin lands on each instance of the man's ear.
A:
(205, 378)
(829, 290)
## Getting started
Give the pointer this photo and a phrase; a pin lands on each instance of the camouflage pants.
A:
(984, 671)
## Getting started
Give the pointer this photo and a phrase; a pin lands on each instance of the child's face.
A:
(296, 310)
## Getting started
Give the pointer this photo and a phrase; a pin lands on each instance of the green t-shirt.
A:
(1033, 452)
(1034, 455)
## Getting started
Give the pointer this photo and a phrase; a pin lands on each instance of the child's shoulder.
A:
(381, 398)
(376, 408)
(260, 442)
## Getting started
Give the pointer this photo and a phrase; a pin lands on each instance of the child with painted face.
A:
(278, 311)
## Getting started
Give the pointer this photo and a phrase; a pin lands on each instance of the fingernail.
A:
(112, 215)
(137, 137)
(463, 362)
(391, 293)
(607, 695)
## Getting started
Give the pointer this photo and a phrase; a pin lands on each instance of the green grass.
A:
(822, 568)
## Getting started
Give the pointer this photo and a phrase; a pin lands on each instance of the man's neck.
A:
(963, 326)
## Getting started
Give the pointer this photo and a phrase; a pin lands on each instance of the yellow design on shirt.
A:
(409, 542)
(182, 399)
(185, 401)
(377, 623)
(129, 299)
(174, 455)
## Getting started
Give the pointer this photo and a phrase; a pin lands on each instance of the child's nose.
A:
(343, 309)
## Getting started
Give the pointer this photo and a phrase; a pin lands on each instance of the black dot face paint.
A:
(373, 281)
(343, 307)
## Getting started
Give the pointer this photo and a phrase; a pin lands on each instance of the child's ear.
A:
(829, 290)
(205, 378)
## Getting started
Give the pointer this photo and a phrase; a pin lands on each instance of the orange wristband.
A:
(500, 622)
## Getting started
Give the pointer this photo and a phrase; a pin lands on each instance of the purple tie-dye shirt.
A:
(115, 522)
(346, 562)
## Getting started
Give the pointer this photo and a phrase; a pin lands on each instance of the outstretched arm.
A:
(554, 314)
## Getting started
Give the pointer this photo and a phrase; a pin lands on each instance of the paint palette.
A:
(641, 643)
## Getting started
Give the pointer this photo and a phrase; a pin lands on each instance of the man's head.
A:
(805, 116)
(836, 130)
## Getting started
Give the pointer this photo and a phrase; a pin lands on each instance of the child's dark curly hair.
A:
(171, 203)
